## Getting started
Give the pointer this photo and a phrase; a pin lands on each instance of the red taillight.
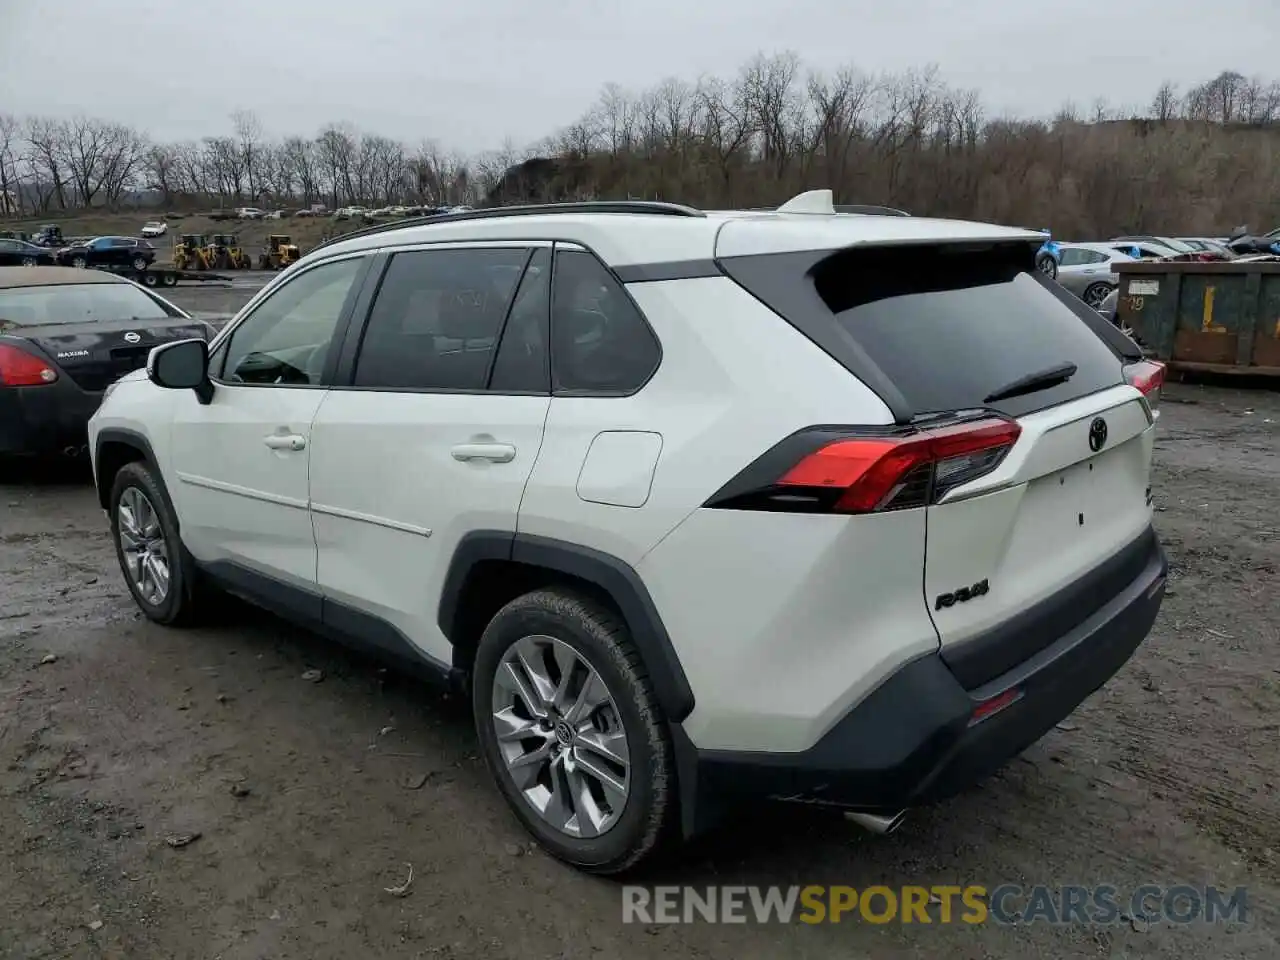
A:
(864, 474)
(21, 369)
(1148, 377)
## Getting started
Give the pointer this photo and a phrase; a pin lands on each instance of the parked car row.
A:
(1088, 269)
(92, 252)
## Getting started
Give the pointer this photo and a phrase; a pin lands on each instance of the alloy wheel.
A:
(560, 736)
(1096, 294)
(143, 546)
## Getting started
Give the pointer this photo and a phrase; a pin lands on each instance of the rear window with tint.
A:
(947, 326)
(77, 303)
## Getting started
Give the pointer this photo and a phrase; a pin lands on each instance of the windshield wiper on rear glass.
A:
(1040, 380)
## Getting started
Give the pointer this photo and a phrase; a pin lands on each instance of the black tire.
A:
(599, 634)
(149, 279)
(1048, 266)
(169, 280)
(178, 605)
(1095, 293)
(29, 262)
(79, 262)
(139, 263)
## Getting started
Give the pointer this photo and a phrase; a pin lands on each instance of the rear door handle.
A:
(493, 452)
(287, 441)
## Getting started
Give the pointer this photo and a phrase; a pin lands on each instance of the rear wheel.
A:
(29, 261)
(149, 278)
(1048, 266)
(145, 530)
(1095, 293)
(571, 730)
(79, 262)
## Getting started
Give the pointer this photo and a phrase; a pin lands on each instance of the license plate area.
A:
(127, 359)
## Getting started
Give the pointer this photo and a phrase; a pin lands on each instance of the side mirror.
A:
(182, 365)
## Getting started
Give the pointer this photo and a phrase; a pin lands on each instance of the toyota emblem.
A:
(132, 337)
(1097, 434)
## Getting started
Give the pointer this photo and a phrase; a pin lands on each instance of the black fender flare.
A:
(130, 438)
(615, 577)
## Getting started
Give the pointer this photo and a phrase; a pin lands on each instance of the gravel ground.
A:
(310, 798)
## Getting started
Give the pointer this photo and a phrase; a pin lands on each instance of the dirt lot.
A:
(311, 798)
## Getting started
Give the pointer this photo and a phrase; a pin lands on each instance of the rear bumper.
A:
(911, 741)
(45, 420)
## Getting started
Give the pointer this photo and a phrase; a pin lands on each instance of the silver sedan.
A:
(1086, 270)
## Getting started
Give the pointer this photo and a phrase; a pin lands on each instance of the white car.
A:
(796, 505)
(1087, 270)
(154, 228)
(249, 213)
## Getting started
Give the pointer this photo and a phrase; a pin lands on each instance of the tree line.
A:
(1193, 161)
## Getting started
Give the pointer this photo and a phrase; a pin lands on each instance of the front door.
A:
(241, 460)
(432, 433)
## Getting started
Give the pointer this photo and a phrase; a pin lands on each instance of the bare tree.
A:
(11, 200)
(336, 149)
(47, 140)
(1166, 103)
(248, 135)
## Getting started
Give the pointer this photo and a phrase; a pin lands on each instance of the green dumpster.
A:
(1214, 317)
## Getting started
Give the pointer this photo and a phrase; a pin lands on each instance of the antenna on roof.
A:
(811, 201)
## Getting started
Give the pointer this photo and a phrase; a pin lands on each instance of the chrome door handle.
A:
(493, 452)
(290, 441)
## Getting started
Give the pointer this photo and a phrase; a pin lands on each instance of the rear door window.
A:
(437, 317)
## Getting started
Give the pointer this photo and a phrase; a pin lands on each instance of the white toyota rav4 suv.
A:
(700, 507)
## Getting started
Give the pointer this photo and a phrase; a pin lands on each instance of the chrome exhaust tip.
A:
(875, 822)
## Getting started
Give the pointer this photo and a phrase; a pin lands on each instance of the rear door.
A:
(1051, 533)
(431, 430)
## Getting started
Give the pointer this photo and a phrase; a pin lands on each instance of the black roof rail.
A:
(870, 210)
(525, 210)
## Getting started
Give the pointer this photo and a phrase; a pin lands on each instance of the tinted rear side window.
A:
(436, 319)
(943, 326)
(600, 343)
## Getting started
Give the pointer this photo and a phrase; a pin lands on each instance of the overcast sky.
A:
(470, 73)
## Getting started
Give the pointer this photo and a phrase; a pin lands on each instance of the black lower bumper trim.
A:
(911, 741)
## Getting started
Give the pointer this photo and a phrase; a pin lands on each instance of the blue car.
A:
(1048, 256)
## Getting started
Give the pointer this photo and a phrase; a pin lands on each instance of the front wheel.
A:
(79, 262)
(571, 730)
(151, 557)
(1048, 266)
(139, 263)
(29, 261)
